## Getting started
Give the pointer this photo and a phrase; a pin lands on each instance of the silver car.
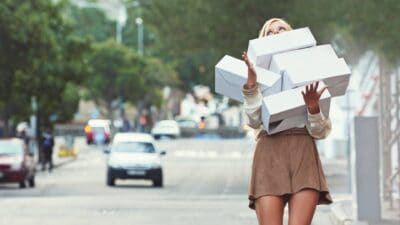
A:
(166, 128)
(134, 156)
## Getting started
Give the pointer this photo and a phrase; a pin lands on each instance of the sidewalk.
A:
(343, 213)
(58, 161)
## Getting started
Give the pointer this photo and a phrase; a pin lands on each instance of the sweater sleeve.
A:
(252, 106)
(318, 126)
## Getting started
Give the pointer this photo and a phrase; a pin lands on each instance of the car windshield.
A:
(166, 124)
(187, 123)
(98, 129)
(10, 148)
(133, 147)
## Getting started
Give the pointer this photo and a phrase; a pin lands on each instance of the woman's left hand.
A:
(312, 96)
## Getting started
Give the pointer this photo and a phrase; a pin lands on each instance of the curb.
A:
(59, 163)
(338, 216)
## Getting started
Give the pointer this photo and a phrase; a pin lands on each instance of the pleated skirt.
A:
(285, 163)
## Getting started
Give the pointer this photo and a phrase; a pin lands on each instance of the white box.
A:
(287, 109)
(231, 75)
(302, 57)
(260, 50)
(305, 66)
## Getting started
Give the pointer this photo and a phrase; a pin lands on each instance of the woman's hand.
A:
(312, 96)
(251, 72)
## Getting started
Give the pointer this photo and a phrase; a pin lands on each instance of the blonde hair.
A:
(267, 24)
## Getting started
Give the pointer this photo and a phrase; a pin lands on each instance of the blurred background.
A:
(75, 73)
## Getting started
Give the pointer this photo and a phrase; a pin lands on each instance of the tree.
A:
(188, 32)
(38, 57)
(118, 72)
(90, 22)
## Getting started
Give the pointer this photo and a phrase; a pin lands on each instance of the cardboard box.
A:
(287, 109)
(305, 66)
(260, 50)
(231, 75)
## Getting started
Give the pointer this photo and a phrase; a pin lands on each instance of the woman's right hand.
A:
(251, 72)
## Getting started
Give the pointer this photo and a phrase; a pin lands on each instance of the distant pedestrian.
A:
(145, 122)
(142, 123)
(47, 147)
(202, 124)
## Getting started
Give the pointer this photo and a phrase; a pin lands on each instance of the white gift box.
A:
(231, 75)
(260, 50)
(301, 67)
(287, 109)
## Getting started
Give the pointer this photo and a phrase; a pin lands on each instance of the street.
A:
(205, 182)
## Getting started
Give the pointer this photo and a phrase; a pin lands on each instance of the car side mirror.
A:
(163, 152)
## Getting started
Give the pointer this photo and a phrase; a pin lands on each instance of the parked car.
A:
(134, 156)
(16, 164)
(186, 123)
(166, 128)
(98, 131)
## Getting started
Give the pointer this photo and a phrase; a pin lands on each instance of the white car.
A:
(134, 156)
(166, 128)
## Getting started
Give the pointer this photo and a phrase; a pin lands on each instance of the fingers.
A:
(244, 55)
(316, 85)
(246, 59)
(322, 90)
(313, 87)
(304, 96)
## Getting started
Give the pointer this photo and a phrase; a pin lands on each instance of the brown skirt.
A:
(285, 163)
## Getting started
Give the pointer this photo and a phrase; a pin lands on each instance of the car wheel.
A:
(22, 184)
(110, 180)
(31, 181)
(158, 181)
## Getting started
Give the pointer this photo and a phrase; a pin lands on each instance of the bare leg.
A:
(302, 206)
(269, 210)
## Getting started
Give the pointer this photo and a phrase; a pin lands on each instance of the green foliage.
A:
(90, 22)
(193, 33)
(70, 101)
(118, 71)
(38, 57)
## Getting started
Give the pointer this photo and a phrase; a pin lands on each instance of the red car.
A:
(16, 164)
(97, 132)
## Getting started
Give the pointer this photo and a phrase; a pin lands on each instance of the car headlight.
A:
(113, 163)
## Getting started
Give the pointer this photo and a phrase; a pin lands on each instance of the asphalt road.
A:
(205, 182)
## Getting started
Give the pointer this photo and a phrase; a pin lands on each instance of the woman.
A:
(286, 166)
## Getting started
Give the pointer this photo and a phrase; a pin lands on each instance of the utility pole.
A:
(139, 23)
(33, 147)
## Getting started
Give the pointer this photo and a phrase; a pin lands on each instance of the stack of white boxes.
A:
(285, 63)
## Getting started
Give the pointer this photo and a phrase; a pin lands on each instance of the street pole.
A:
(118, 32)
(33, 125)
(348, 147)
(139, 22)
